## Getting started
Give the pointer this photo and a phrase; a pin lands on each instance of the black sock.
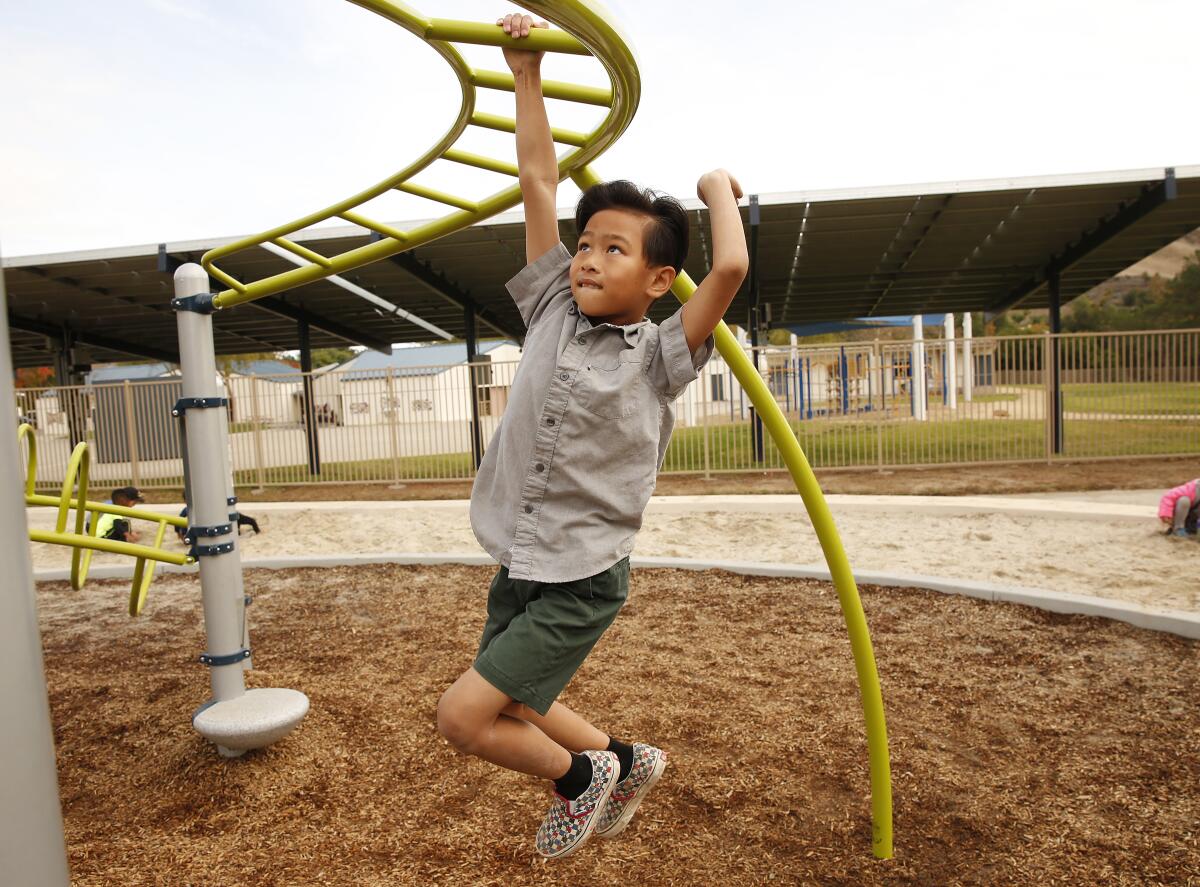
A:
(578, 777)
(624, 755)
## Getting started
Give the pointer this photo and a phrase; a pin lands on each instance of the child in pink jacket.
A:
(1180, 508)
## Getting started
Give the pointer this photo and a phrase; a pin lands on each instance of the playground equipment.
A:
(237, 719)
(585, 30)
(84, 539)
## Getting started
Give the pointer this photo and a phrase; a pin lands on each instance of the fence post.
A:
(707, 473)
(968, 367)
(875, 365)
(1048, 389)
(131, 436)
(257, 425)
(392, 430)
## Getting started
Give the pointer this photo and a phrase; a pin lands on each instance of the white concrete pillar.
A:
(794, 376)
(968, 364)
(918, 369)
(874, 373)
(951, 370)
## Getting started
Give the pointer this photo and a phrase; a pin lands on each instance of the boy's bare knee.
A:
(450, 721)
(454, 727)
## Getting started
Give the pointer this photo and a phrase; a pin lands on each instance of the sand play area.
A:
(1026, 747)
(1103, 544)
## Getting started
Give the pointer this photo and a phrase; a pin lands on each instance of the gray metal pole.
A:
(310, 414)
(756, 427)
(1052, 283)
(476, 436)
(32, 848)
(220, 575)
(236, 720)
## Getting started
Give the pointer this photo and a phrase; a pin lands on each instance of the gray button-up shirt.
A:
(561, 490)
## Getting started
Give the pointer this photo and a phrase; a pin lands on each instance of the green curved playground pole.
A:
(831, 544)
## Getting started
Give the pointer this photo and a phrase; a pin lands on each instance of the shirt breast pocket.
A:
(612, 388)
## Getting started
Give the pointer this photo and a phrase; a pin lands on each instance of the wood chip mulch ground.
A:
(1026, 747)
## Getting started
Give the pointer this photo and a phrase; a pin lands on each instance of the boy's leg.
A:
(562, 725)
(471, 716)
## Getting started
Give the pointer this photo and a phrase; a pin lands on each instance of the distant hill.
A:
(1169, 260)
(1165, 263)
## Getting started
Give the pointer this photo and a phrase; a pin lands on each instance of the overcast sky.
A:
(139, 121)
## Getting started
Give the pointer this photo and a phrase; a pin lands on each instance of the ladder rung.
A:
(387, 230)
(551, 89)
(230, 282)
(439, 196)
(478, 160)
(508, 124)
(302, 251)
(483, 34)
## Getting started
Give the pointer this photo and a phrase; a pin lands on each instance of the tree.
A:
(1179, 306)
(33, 377)
(227, 363)
(325, 356)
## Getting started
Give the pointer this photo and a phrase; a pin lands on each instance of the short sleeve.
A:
(532, 288)
(672, 365)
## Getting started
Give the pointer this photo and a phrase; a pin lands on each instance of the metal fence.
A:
(884, 404)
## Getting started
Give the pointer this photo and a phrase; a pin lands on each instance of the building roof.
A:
(424, 360)
(132, 372)
(263, 368)
(822, 256)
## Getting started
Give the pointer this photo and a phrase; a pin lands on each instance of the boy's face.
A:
(610, 279)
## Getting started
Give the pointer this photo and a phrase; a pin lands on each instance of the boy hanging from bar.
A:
(562, 487)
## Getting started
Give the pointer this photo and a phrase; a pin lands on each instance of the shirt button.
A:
(539, 467)
(529, 509)
(580, 340)
(549, 421)
(562, 376)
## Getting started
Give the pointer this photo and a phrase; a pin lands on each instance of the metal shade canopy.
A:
(822, 256)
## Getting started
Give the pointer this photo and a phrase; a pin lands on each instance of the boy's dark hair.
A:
(666, 238)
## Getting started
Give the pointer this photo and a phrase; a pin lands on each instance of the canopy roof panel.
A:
(822, 256)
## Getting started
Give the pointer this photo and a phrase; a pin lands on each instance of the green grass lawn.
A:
(994, 398)
(1134, 398)
(825, 444)
(848, 444)
(448, 466)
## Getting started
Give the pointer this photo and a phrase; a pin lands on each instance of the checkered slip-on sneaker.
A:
(648, 764)
(570, 823)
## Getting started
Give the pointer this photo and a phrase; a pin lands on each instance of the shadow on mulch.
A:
(1026, 747)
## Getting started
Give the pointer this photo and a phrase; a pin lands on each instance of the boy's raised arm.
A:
(536, 162)
(704, 310)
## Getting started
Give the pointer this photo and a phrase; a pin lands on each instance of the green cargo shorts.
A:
(538, 633)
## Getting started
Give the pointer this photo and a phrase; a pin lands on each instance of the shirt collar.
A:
(631, 331)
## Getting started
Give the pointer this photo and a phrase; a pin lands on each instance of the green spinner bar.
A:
(597, 37)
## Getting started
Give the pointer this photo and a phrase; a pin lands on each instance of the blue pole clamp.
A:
(197, 403)
(228, 659)
(211, 550)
